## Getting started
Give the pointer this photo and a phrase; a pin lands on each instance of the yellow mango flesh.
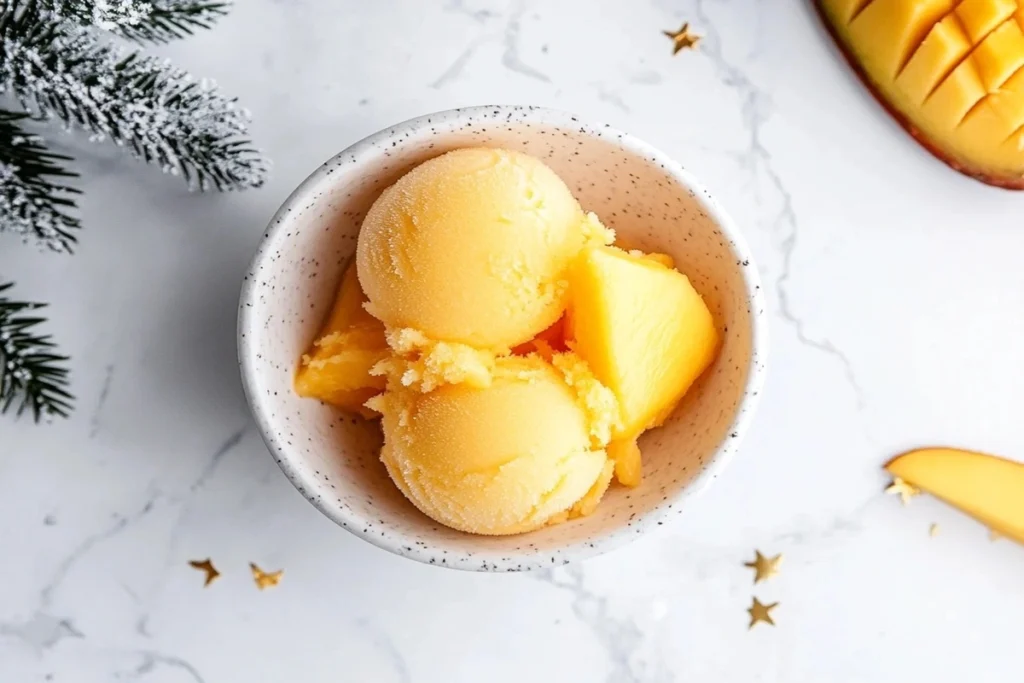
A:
(337, 368)
(951, 69)
(642, 328)
(988, 488)
(628, 464)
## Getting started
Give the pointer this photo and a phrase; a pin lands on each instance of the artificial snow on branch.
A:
(57, 64)
(32, 376)
(34, 203)
(156, 21)
(58, 69)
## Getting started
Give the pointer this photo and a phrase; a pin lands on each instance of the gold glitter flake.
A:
(682, 39)
(902, 489)
(265, 579)
(759, 612)
(764, 567)
(933, 530)
(206, 566)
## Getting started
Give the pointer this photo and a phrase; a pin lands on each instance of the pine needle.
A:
(154, 21)
(58, 69)
(33, 203)
(32, 376)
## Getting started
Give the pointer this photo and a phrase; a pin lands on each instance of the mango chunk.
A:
(628, 463)
(943, 48)
(986, 487)
(981, 17)
(846, 10)
(894, 28)
(951, 101)
(642, 328)
(948, 70)
(337, 368)
(999, 55)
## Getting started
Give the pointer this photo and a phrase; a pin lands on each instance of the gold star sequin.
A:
(933, 530)
(764, 567)
(682, 39)
(207, 567)
(265, 579)
(904, 490)
(759, 612)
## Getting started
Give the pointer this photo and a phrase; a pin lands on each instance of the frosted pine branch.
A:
(32, 376)
(155, 21)
(57, 69)
(33, 202)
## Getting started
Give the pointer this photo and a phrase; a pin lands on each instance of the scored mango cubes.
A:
(950, 71)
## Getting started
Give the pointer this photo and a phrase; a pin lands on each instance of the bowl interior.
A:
(332, 457)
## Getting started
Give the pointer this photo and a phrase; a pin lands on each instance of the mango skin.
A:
(970, 165)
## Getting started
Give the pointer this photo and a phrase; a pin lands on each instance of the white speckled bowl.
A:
(332, 457)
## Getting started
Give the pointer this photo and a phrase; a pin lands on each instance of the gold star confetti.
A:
(904, 490)
(759, 612)
(994, 535)
(265, 579)
(933, 530)
(764, 567)
(207, 567)
(682, 39)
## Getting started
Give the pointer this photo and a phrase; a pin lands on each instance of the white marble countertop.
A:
(897, 296)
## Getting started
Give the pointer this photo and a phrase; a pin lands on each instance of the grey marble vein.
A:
(94, 421)
(612, 98)
(455, 69)
(478, 15)
(756, 157)
(621, 638)
(511, 58)
(42, 631)
(386, 646)
(120, 524)
(151, 661)
(226, 447)
(812, 530)
(644, 77)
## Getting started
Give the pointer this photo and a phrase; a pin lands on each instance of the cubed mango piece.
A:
(643, 329)
(337, 368)
(894, 28)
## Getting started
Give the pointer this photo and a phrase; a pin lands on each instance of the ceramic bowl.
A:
(653, 204)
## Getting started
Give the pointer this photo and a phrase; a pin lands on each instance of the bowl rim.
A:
(527, 559)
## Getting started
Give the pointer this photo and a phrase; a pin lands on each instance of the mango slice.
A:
(950, 71)
(337, 368)
(986, 487)
(643, 329)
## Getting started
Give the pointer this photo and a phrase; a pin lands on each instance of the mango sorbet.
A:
(473, 247)
(514, 355)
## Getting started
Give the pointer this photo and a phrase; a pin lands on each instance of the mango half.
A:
(950, 71)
